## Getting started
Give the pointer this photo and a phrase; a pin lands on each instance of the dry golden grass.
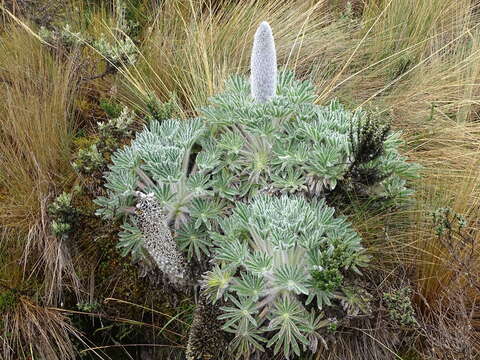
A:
(36, 126)
(192, 47)
(32, 331)
(37, 91)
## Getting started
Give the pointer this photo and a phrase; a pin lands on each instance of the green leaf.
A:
(250, 286)
(205, 211)
(239, 315)
(193, 240)
(231, 252)
(131, 241)
(287, 320)
(292, 278)
(216, 281)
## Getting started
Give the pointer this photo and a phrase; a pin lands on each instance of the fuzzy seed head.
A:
(263, 64)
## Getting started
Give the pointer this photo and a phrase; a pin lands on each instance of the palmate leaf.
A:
(121, 181)
(231, 142)
(205, 211)
(113, 205)
(131, 241)
(263, 126)
(216, 281)
(249, 285)
(313, 323)
(166, 129)
(237, 84)
(287, 319)
(259, 263)
(290, 156)
(164, 168)
(125, 158)
(198, 184)
(289, 181)
(247, 340)
(222, 183)
(163, 193)
(190, 131)
(327, 162)
(240, 314)
(207, 160)
(231, 252)
(286, 79)
(322, 297)
(193, 240)
(292, 278)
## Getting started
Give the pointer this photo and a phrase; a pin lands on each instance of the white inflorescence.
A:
(263, 64)
(158, 239)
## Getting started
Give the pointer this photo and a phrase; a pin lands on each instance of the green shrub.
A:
(112, 132)
(275, 256)
(244, 185)
(62, 37)
(63, 215)
(399, 305)
(112, 109)
(8, 299)
(89, 160)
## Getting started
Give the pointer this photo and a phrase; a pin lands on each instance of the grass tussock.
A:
(37, 92)
(32, 331)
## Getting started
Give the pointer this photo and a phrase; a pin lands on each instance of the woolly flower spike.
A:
(263, 64)
(158, 239)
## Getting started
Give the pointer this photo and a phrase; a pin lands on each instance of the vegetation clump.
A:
(275, 256)
(63, 215)
(400, 307)
(8, 299)
(199, 168)
(261, 139)
(245, 185)
(112, 132)
(63, 37)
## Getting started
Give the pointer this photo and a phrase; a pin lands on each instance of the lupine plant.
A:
(279, 260)
(158, 162)
(244, 185)
(291, 145)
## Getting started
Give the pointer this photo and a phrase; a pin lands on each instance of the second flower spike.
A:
(263, 64)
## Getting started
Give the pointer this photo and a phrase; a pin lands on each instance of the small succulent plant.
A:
(63, 215)
(399, 306)
(92, 159)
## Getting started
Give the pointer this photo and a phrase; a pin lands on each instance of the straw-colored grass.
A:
(191, 49)
(32, 331)
(37, 92)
